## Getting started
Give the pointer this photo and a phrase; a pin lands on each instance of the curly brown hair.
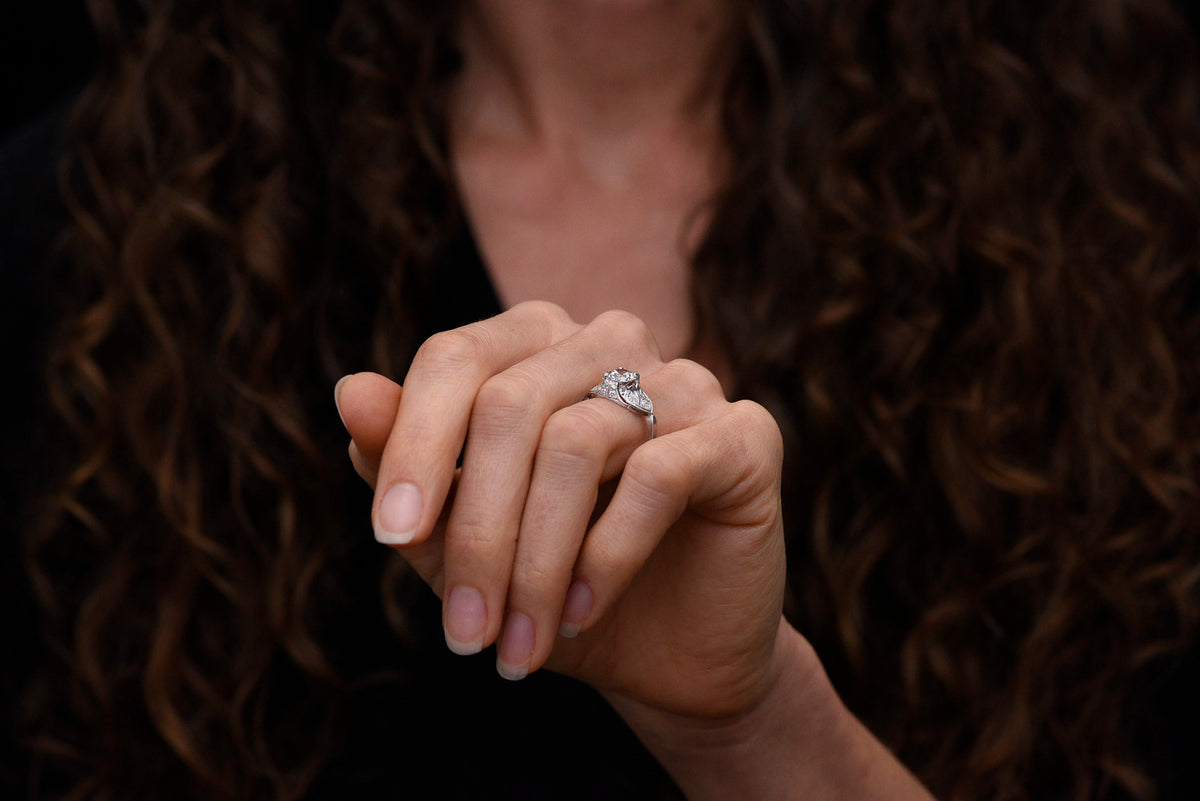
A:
(957, 256)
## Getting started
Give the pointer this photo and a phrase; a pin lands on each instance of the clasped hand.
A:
(669, 595)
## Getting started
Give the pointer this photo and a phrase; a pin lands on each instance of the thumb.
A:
(367, 404)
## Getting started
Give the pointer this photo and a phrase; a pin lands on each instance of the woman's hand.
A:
(653, 569)
(674, 592)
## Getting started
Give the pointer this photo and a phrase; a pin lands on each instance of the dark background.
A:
(47, 49)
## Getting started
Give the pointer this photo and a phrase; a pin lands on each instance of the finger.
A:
(725, 468)
(367, 404)
(427, 557)
(506, 424)
(581, 447)
(427, 435)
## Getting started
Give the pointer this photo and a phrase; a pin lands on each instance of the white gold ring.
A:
(623, 387)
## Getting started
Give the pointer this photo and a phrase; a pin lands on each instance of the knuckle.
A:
(660, 470)
(623, 326)
(761, 424)
(507, 393)
(576, 432)
(459, 348)
(606, 561)
(472, 546)
(533, 579)
(541, 309)
(693, 378)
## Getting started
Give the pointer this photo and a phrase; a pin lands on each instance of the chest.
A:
(589, 245)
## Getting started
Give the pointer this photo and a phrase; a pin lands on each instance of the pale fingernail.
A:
(576, 609)
(337, 394)
(516, 647)
(399, 513)
(466, 621)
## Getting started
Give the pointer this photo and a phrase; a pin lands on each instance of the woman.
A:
(949, 252)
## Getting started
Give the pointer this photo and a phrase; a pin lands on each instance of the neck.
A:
(562, 73)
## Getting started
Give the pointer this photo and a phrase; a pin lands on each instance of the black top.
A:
(453, 729)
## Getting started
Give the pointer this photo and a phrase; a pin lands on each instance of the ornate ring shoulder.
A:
(623, 387)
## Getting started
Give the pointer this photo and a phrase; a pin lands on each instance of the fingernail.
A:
(576, 609)
(399, 513)
(466, 621)
(516, 647)
(337, 398)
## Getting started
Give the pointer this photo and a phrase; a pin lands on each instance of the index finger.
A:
(418, 461)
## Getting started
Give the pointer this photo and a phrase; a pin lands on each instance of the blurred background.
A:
(47, 49)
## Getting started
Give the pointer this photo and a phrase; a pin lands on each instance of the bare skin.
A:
(584, 149)
(584, 136)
